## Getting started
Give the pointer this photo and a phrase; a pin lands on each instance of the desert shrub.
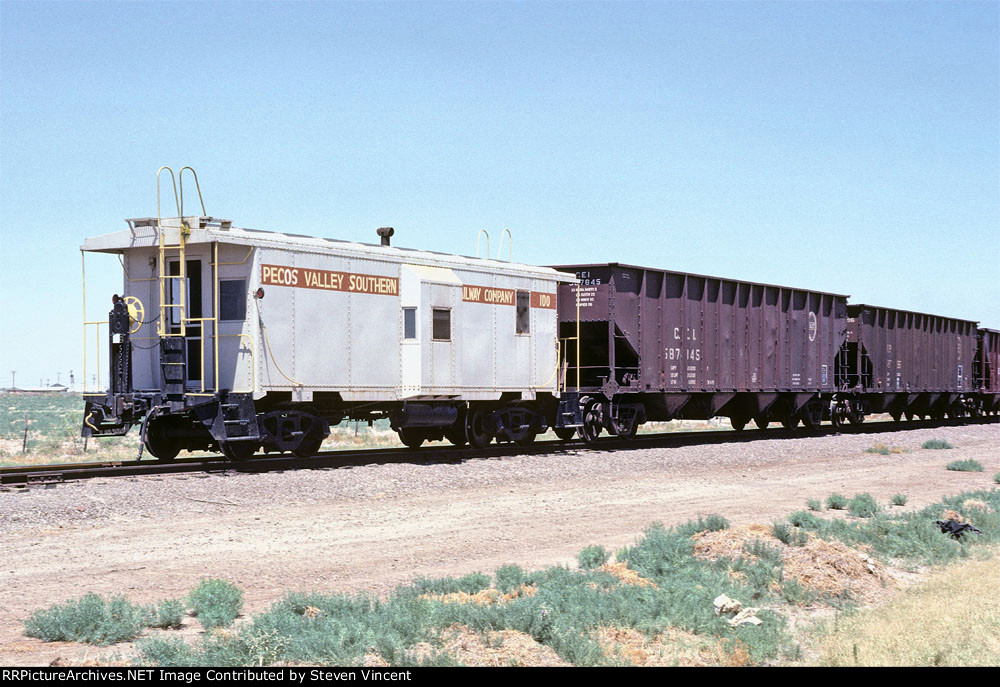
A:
(167, 652)
(789, 534)
(814, 504)
(863, 506)
(167, 614)
(216, 603)
(878, 448)
(92, 619)
(912, 536)
(510, 577)
(966, 465)
(936, 444)
(794, 592)
(801, 518)
(996, 478)
(708, 523)
(593, 557)
(836, 502)
(659, 551)
(899, 499)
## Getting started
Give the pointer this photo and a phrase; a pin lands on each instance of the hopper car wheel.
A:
(565, 433)
(412, 438)
(761, 422)
(812, 415)
(626, 428)
(738, 423)
(909, 416)
(837, 416)
(159, 442)
(479, 427)
(593, 421)
(855, 414)
(238, 451)
(309, 447)
(790, 422)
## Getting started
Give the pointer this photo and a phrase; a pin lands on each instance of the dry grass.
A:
(950, 619)
(828, 567)
(669, 648)
(486, 597)
(625, 575)
(498, 648)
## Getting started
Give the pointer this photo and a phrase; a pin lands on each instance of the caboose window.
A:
(409, 323)
(523, 322)
(232, 299)
(441, 325)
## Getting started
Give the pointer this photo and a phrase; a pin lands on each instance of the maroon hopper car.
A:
(908, 363)
(660, 345)
(987, 370)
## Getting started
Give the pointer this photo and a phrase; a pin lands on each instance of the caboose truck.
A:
(238, 339)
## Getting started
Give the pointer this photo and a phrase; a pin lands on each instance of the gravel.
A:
(100, 501)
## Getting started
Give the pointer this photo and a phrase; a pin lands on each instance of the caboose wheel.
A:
(159, 442)
(527, 439)
(479, 427)
(309, 447)
(565, 433)
(238, 451)
(456, 437)
(411, 438)
(593, 422)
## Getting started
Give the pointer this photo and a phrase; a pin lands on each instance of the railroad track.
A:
(49, 475)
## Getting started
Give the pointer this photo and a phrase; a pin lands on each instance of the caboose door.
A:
(430, 300)
(443, 301)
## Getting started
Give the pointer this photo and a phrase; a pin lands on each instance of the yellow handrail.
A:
(197, 185)
(510, 240)
(95, 323)
(161, 326)
(478, 238)
(267, 343)
(555, 371)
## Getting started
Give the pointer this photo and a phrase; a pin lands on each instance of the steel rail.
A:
(28, 475)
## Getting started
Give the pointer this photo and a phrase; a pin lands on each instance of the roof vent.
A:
(385, 233)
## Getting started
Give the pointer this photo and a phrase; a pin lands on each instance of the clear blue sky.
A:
(850, 147)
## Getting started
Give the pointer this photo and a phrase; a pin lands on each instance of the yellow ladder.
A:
(183, 231)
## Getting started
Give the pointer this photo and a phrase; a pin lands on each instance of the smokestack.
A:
(385, 233)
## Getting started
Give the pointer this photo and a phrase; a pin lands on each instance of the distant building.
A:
(52, 389)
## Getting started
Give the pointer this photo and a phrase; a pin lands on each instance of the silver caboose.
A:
(238, 339)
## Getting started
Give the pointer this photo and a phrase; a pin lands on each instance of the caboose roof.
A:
(142, 233)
